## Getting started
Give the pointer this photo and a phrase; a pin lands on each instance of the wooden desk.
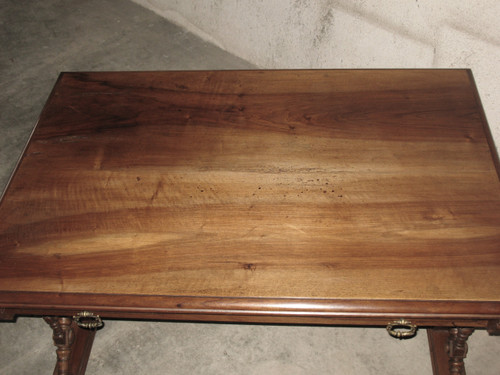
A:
(356, 197)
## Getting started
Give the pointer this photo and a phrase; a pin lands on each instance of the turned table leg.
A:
(448, 349)
(73, 345)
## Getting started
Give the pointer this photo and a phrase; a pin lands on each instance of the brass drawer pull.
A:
(88, 320)
(401, 329)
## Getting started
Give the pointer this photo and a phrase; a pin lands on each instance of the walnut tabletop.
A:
(296, 196)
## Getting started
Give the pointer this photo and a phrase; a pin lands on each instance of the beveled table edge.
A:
(486, 128)
(253, 309)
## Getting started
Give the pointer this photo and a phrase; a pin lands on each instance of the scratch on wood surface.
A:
(98, 159)
(295, 228)
(158, 188)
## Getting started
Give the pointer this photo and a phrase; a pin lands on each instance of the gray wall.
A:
(354, 34)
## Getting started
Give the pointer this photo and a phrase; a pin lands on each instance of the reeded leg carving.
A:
(63, 336)
(457, 349)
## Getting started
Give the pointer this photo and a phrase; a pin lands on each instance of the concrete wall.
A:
(354, 34)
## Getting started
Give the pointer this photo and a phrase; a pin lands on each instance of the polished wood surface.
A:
(287, 193)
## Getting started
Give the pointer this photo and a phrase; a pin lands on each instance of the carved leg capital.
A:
(494, 327)
(64, 336)
(73, 345)
(457, 349)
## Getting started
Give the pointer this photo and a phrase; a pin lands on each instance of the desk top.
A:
(309, 190)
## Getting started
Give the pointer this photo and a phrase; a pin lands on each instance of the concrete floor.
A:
(40, 39)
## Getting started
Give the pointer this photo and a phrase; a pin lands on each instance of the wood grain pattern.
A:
(257, 185)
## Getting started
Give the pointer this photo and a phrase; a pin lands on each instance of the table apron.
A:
(335, 319)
